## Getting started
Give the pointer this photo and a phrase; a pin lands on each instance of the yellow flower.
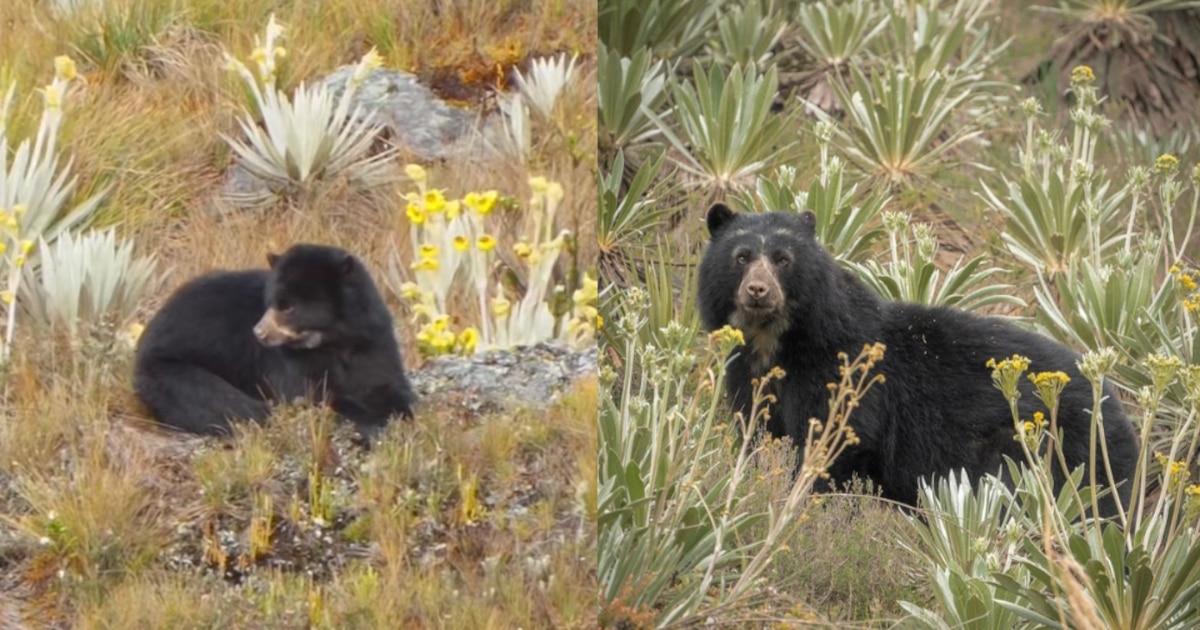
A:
(523, 250)
(426, 264)
(280, 52)
(64, 68)
(259, 56)
(501, 307)
(26, 246)
(588, 291)
(441, 322)
(554, 192)
(415, 172)
(428, 250)
(6, 297)
(486, 243)
(134, 331)
(1007, 373)
(443, 341)
(453, 209)
(1082, 75)
(468, 340)
(415, 214)
(410, 291)
(726, 338)
(550, 247)
(1049, 385)
(19, 261)
(435, 201)
(481, 202)
(1166, 164)
(461, 243)
(372, 59)
(599, 322)
(423, 310)
(12, 223)
(539, 185)
(53, 97)
(20, 210)
(3, 247)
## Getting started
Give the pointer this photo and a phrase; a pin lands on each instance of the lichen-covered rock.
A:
(415, 118)
(502, 379)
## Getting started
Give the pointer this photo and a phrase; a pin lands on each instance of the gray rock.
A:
(416, 120)
(503, 379)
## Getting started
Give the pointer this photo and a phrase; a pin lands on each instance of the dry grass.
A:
(454, 521)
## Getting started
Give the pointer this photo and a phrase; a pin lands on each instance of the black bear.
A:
(937, 411)
(227, 345)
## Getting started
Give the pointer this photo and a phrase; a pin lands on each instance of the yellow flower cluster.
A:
(726, 338)
(1185, 279)
(586, 306)
(1049, 385)
(1175, 472)
(432, 202)
(1006, 374)
(427, 258)
(1166, 164)
(481, 202)
(1032, 430)
(437, 338)
(1082, 75)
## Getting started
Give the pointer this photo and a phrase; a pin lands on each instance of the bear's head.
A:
(305, 296)
(756, 270)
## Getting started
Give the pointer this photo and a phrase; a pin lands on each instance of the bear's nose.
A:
(756, 290)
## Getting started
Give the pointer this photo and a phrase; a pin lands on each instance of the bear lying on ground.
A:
(228, 344)
(937, 410)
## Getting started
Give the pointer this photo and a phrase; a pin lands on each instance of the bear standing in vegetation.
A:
(937, 410)
(229, 343)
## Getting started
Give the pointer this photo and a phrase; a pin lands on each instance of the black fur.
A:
(938, 409)
(200, 367)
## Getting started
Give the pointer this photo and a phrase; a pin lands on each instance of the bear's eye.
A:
(283, 306)
(782, 261)
(742, 258)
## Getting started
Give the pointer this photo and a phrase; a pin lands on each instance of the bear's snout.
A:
(760, 292)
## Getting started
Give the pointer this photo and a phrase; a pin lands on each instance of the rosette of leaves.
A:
(81, 282)
(749, 33)
(728, 134)
(912, 274)
(834, 36)
(1096, 575)
(309, 136)
(630, 212)
(630, 89)
(897, 126)
(30, 174)
(1149, 49)
(671, 29)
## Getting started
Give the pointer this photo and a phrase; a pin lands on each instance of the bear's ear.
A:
(718, 217)
(808, 223)
(272, 259)
(347, 264)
